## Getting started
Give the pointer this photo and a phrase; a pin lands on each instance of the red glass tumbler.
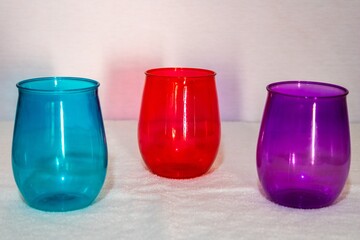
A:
(303, 152)
(179, 124)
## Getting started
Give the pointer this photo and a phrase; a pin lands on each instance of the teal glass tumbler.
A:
(59, 151)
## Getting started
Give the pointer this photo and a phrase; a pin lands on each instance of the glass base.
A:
(178, 171)
(60, 202)
(301, 198)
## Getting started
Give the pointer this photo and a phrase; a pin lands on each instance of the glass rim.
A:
(156, 72)
(93, 84)
(270, 89)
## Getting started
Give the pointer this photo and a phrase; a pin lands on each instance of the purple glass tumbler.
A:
(303, 151)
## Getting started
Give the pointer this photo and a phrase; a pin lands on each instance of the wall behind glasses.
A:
(249, 43)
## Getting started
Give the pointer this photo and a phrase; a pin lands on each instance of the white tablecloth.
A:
(224, 204)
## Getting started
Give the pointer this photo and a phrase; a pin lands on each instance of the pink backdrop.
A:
(249, 43)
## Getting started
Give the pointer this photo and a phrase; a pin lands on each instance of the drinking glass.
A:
(59, 152)
(303, 151)
(179, 124)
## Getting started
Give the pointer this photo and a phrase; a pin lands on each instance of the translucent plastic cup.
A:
(59, 152)
(179, 124)
(303, 152)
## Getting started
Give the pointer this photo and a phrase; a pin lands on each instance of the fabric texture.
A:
(226, 203)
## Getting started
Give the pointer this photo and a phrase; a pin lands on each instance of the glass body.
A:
(303, 151)
(59, 152)
(179, 124)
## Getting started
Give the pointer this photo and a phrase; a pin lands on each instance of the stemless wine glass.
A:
(59, 152)
(303, 152)
(179, 125)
